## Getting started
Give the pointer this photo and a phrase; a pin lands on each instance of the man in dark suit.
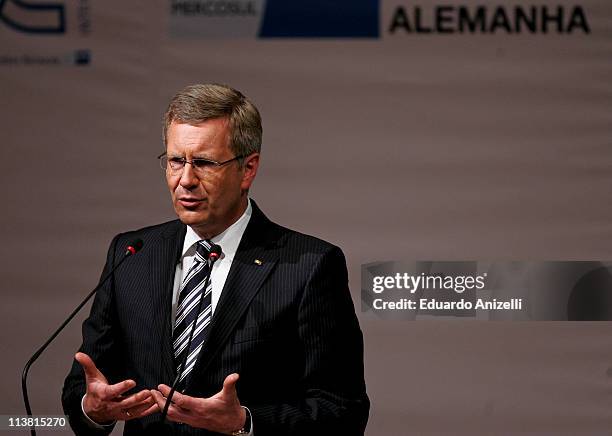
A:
(276, 348)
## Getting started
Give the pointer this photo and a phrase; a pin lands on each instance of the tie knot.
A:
(203, 249)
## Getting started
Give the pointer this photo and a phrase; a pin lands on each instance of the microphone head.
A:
(215, 252)
(134, 247)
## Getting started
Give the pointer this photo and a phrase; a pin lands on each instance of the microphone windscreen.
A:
(215, 252)
(135, 246)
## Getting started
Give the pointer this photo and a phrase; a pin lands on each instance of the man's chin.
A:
(192, 217)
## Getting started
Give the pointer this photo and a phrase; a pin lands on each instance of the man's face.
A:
(212, 201)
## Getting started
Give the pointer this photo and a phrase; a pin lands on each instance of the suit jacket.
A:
(286, 324)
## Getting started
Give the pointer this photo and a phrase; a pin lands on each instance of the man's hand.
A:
(220, 413)
(104, 403)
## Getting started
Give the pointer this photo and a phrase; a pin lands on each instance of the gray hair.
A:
(198, 103)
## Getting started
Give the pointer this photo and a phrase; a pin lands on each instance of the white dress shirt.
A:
(228, 241)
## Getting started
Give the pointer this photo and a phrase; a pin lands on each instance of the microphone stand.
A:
(131, 249)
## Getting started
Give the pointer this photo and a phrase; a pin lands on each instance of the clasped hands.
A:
(105, 403)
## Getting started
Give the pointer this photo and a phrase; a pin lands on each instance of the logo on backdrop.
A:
(274, 18)
(44, 17)
(35, 19)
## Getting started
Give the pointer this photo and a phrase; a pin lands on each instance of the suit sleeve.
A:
(100, 343)
(334, 395)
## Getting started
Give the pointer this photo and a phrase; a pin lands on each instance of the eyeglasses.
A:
(175, 165)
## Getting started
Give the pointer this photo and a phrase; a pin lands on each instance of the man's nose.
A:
(188, 177)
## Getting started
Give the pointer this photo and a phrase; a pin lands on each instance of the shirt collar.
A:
(228, 239)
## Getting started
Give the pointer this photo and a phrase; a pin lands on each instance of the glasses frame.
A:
(216, 163)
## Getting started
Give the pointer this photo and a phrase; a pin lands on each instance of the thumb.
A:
(229, 385)
(89, 367)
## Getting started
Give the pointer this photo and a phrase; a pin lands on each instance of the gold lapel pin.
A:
(258, 262)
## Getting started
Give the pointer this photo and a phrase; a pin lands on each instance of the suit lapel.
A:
(254, 260)
(163, 259)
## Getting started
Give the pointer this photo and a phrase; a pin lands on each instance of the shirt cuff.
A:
(93, 424)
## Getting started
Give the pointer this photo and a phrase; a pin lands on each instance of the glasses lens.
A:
(202, 165)
(176, 164)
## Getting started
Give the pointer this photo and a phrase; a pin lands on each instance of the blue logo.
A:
(275, 18)
(320, 19)
(82, 57)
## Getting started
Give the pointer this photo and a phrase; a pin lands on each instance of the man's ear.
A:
(250, 166)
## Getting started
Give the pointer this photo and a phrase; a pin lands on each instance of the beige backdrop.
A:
(406, 147)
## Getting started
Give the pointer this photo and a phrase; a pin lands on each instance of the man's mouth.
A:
(189, 202)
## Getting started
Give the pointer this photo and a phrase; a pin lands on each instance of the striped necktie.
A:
(187, 311)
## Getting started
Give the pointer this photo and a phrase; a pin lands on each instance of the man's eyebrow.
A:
(178, 155)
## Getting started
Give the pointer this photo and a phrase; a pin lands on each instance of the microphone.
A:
(213, 256)
(134, 247)
(215, 253)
